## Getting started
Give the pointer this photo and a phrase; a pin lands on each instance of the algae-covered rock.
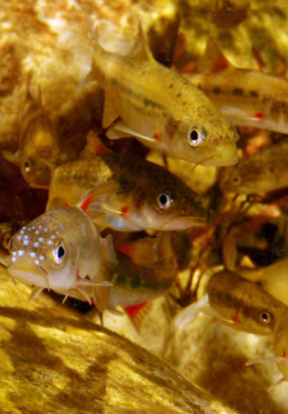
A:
(53, 360)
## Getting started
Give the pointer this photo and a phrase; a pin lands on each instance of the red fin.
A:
(94, 146)
(125, 249)
(259, 116)
(213, 59)
(143, 252)
(93, 200)
(137, 313)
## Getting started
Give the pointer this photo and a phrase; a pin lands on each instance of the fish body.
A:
(59, 250)
(134, 284)
(246, 97)
(243, 303)
(38, 151)
(264, 171)
(126, 194)
(273, 279)
(161, 109)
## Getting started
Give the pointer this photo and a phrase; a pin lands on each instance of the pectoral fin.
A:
(142, 252)
(93, 201)
(120, 130)
(34, 293)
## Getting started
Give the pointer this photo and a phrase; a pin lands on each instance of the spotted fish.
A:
(61, 250)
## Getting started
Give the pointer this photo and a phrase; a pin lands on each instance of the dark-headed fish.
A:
(161, 108)
(243, 304)
(264, 171)
(125, 193)
(60, 250)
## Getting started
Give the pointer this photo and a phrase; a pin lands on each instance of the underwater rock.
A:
(54, 360)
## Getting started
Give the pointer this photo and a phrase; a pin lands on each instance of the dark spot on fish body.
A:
(254, 94)
(171, 86)
(217, 90)
(179, 95)
(146, 102)
(135, 283)
(237, 91)
(120, 279)
(184, 103)
(278, 107)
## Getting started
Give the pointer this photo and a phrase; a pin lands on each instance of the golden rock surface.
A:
(53, 360)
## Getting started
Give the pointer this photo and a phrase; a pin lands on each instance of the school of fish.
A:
(116, 227)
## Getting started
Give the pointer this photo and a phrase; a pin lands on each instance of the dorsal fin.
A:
(142, 50)
(213, 59)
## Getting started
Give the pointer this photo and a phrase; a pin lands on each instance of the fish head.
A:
(243, 303)
(170, 204)
(42, 256)
(248, 177)
(206, 140)
(35, 171)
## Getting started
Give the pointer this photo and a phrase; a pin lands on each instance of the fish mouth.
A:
(225, 158)
(37, 277)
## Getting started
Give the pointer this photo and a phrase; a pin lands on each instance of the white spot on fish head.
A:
(32, 255)
(36, 244)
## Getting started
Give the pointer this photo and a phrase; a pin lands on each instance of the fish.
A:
(160, 108)
(124, 193)
(237, 302)
(139, 279)
(244, 304)
(146, 268)
(246, 97)
(60, 250)
(264, 171)
(38, 152)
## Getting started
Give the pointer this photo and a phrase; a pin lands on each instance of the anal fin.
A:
(137, 314)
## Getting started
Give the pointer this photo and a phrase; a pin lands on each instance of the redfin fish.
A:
(237, 302)
(264, 171)
(38, 151)
(134, 284)
(161, 108)
(60, 250)
(247, 97)
(126, 194)
(145, 269)
(243, 304)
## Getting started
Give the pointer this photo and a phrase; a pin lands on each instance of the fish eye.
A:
(236, 180)
(164, 200)
(59, 253)
(195, 136)
(27, 166)
(265, 317)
